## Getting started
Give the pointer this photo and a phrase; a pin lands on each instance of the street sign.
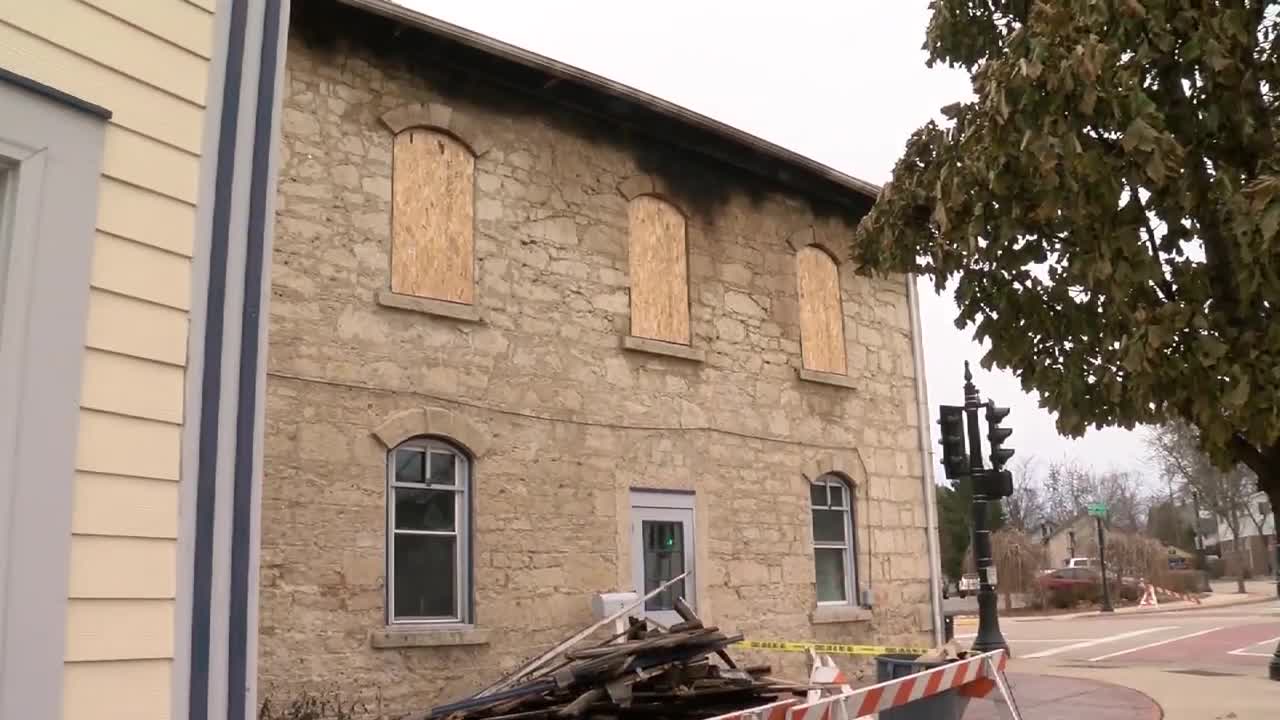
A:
(1097, 509)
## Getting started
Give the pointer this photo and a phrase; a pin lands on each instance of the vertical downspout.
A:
(926, 462)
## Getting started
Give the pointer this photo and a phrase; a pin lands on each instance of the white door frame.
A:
(661, 506)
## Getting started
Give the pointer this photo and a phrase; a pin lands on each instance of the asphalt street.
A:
(1197, 664)
(1238, 640)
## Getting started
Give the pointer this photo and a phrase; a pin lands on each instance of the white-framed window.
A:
(7, 184)
(50, 163)
(831, 501)
(428, 533)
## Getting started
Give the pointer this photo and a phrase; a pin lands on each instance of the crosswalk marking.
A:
(1242, 650)
(1155, 644)
(1097, 641)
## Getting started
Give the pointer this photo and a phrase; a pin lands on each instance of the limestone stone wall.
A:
(569, 421)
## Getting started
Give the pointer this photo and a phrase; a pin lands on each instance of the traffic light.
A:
(955, 462)
(993, 483)
(1001, 483)
(996, 435)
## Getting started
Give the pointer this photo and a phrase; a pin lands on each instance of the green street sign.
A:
(1097, 509)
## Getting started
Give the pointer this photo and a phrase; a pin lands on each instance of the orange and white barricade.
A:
(1180, 596)
(1148, 596)
(974, 677)
(825, 672)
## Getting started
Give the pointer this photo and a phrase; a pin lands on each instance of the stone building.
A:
(534, 335)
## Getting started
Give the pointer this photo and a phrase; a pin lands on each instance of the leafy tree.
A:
(955, 523)
(1069, 487)
(1166, 523)
(954, 528)
(1107, 208)
(1224, 493)
(1025, 507)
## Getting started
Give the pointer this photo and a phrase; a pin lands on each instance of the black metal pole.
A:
(1102, 560)
(1275, 562)
(989, 637)
(1274, 667)
(1195, 508)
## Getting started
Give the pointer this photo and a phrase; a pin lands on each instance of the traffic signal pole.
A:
(1102, 561)
(989, 637)
(988, 486)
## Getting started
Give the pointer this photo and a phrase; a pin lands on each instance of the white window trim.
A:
(849, 546)
(461, 531)
(53, 143)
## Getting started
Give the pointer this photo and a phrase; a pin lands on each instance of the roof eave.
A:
(624, 92)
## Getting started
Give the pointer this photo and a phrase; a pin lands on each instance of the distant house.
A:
(1257, 549)
(1077, 537)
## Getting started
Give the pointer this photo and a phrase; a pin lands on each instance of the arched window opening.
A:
(658, 263)
(428, 533)
(835, 564)
(432, 217)
(822, 345)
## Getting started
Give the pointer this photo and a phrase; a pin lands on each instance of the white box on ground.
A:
(605, 604)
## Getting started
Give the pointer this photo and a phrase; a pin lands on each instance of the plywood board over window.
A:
(659, 271)
(433, 218)
(821, 318)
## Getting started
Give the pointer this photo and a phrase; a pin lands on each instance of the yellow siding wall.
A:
(148, 62)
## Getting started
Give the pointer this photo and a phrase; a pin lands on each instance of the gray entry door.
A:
(662, 547)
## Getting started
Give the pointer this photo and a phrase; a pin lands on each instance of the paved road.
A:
(1238, 640)
(1198, 664)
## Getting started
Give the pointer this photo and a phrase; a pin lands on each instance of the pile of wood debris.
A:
(644, 671)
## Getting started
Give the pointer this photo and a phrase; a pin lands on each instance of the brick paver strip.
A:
(1049, 697)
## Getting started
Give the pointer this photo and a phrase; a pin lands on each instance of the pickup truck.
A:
(968, 584)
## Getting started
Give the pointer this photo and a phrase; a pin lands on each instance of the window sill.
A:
(826, 378)
(829, 614)
(659, 347)
(411, 636)
(428, 306)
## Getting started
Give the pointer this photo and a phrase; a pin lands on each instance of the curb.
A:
(1252, 600)
(1246, 601)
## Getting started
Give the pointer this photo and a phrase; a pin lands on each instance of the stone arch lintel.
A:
(433, 421)
(809, 236)
(846, 463)
(438, 116)
(639, 185)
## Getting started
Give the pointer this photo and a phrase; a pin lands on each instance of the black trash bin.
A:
(947, 705)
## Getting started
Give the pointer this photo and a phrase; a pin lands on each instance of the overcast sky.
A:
(844, 83)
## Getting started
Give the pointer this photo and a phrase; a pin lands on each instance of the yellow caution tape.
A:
(831, 648)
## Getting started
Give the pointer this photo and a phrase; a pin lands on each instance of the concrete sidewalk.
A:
(1181, 695)
(1052, 697)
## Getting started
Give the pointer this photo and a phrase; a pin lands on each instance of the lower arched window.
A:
(831, 501)
(428, 532)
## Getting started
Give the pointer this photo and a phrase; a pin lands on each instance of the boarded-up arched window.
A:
(433, 217)
(821, 315)
(659, 271)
